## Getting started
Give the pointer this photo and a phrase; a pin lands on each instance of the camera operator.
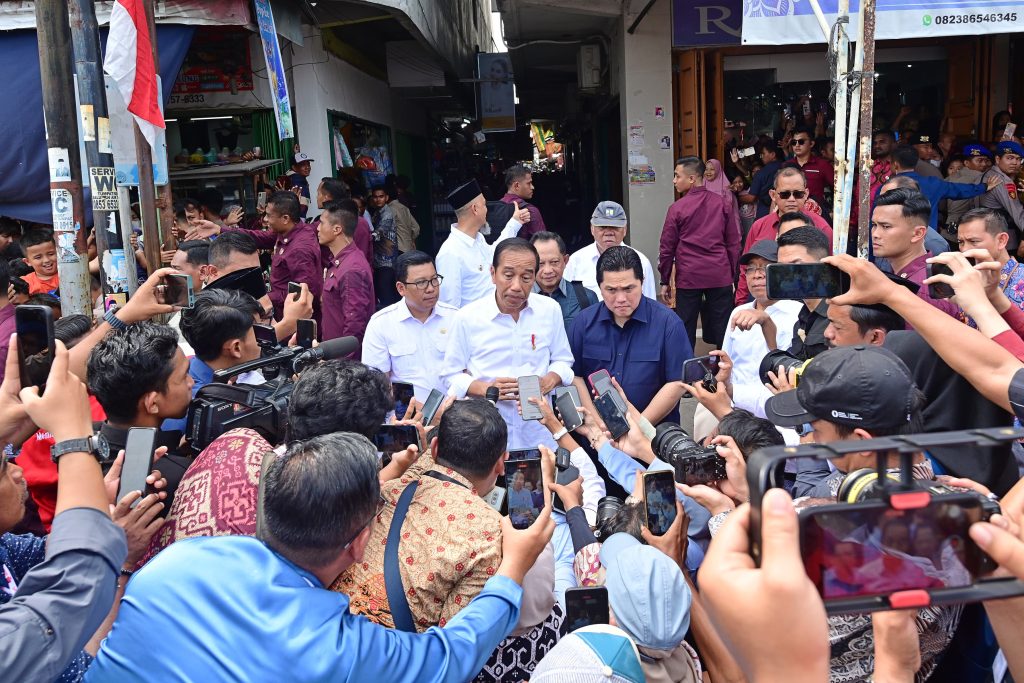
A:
(141, 378)
(865, 392)
(319, 501)
(220, 490)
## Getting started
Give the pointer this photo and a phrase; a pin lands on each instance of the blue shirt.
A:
(937, 189)
(202, 374)
(565, 295)
(763, 181)
(643, 355)
(230, 608)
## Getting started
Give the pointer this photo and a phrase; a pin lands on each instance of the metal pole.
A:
(85, 36)
(841, 215)
(54, 35)
(147, 189)
(165, 197)
(867, 103)
(853, 105)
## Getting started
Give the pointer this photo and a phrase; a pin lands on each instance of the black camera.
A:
(694, 464)
(607, 508)
(773, 359)
(891, 541)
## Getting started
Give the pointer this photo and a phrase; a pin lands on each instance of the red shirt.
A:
(37, 285)
(701, 239)
(767, 228)
(820, 174)
(348, 300)
(536, 223)
(40, 471)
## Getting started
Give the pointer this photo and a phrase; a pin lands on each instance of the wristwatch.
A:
(96, 445)
(560, 433)
(114, 321)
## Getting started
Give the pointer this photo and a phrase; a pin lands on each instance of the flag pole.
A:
(147, 187)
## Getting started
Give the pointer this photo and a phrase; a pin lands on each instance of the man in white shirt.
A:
(465, 257)
(753, 324)
(608, 225)
(407, 340)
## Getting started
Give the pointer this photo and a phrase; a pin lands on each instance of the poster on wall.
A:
(497, 92)
(275, 69)
(789, 22)
(217, 61)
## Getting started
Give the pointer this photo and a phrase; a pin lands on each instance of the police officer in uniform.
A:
(1005, 197)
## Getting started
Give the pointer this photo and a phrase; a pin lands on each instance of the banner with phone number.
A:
(790, 22)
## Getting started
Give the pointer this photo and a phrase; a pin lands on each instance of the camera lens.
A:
(861, 485)
(772, 361)
(607, 507)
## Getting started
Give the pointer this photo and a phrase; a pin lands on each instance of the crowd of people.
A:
(295, 549)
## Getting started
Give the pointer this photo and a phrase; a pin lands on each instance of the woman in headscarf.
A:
(716, 181)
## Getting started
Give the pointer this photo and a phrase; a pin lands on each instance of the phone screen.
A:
(660, 500)
(138, 461)
(305, 332)
(602, 383)
(701, 469)
(571, 390)
(696, 369)
(939, 290)
(431, 405)
(34, 325)
(524, 454)
(805, 281)
(265, 334)
(871, 549)
(403, 393)
(585, 606)
(391, 439)
(612, 416)
(529, 387)
(571, 417)
(525, 491)
(177, 290)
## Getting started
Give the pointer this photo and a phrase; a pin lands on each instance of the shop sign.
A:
(217, 61)
(704, 23)
(791, 22)
(497, 92)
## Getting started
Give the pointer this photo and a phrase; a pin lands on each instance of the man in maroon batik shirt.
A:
(519, 191)
(348, 298)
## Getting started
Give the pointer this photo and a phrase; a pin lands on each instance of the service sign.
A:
(789, 22)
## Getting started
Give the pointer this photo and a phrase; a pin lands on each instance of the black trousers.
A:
(712, 305)
(384, 287)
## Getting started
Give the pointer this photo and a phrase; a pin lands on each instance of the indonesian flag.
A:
(129, 61)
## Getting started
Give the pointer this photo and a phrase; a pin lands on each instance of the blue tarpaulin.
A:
(24, 171)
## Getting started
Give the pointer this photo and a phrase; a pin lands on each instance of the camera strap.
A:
(400, 612)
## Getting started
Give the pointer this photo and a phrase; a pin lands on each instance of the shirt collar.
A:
(914, 266)
(561, 288)
(463, 237)
(200, 371)
(492, 306)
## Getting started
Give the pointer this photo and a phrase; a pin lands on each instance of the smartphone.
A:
(696, 369)
(305, 332)
(571, 390)
(568, 411)
(430, 406)
(659, 500)
(529, 387)
(805, 281)
(701, 468)
(614, 419)
(496, 498)
(403, 393)
(856, 550)
(525, 491)
(586, 605)
(1010, 129)
(565, 474)
(138, 462)
(391, 439)
(261, 200)
(601, 381)
(34, 325)
(524, 454)
(295, 289)
(176, 290)
(807, 107)
(939, 290)
(265, 334)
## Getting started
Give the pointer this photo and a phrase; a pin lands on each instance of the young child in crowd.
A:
(41, 254)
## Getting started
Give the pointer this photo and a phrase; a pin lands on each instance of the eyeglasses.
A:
(381, 502)
(423, 284)
(786, 194)
(757, 270)
(799, 142)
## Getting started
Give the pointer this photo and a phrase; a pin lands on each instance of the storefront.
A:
(361, 151)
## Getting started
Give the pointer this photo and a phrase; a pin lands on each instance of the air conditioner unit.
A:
(588, 67)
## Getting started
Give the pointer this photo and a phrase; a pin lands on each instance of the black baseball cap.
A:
(857, 386)
(766, 249)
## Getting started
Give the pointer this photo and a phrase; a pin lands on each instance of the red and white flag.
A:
(129, 61)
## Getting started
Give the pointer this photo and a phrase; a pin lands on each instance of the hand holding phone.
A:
(529, 387)
(175, 289)
(305, 332)
(403, 393)
(805, 281)
(295, 289)
(36, 345)
(601, 381)
(614, 419)
(585, 606)
(525, 486)
(391, 439)
(430, 406)
(568, 411)
(659, 500)
(939, 290)
(138, 462)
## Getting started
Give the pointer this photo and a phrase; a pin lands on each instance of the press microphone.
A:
(492, 395)
(331, 349)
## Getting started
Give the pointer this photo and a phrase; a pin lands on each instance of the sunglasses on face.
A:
(799, 142)
(786, 194)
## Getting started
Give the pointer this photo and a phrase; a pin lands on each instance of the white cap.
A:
(301, 157)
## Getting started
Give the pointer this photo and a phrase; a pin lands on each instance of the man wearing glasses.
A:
(407, 340)
(818, 171)
(789, 195)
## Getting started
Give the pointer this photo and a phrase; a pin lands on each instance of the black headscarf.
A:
(951, 404)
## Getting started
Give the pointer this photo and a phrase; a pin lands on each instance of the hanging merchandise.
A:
(342, 157)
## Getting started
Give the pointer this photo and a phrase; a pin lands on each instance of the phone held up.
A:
(805, 281)
(659, 500)
(36, 346)
(305, 332)
(525, 490)
(176, 290)
(585, 606)
(138, 462)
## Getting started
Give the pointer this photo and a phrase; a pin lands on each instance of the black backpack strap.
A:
(400, 612)
(581, 293)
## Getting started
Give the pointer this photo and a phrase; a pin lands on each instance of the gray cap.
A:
(610, 214)
(766, 249)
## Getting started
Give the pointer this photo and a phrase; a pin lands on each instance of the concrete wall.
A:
(448, 27)
(321, 82)
(642, 77)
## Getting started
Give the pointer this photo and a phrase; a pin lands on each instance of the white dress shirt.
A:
(465, 264)
(486, 344)
(747, 348)
(582, 266)
(399, 345)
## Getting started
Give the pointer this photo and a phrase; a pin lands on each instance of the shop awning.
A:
(21, 15)
(25, 180)
(223, 170)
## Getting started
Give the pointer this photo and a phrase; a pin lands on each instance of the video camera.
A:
(891, 542)
(219, 407)
(694, 464)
